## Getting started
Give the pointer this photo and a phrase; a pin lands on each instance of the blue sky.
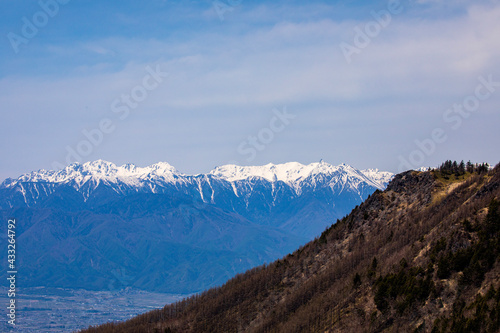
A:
(249, 82)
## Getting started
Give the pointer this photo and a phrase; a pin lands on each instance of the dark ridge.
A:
(422, 256)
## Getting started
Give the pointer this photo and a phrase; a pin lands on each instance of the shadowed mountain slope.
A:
(421, 256)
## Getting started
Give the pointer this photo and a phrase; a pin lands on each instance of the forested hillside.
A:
(422, 256)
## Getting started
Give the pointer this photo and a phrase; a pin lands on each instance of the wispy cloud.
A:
(411, 72)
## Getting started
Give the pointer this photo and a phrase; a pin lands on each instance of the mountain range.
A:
(98, 226)
(421, 256)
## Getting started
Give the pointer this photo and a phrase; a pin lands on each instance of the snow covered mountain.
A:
(156, 178)
(96, 222)
(381, 177)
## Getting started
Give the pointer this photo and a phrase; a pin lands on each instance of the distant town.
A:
(58, 310)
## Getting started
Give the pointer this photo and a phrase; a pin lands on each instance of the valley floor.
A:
(67, 310)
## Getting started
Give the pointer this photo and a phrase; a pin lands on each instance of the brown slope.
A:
(434, 254)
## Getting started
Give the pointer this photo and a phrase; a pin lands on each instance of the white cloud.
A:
(428, 63)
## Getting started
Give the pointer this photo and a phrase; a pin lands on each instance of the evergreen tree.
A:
(470, 167)
(461, 168)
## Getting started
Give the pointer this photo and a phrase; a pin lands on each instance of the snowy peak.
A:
(288, 172)
(381, 177)
(99, 171)
(294, 174)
